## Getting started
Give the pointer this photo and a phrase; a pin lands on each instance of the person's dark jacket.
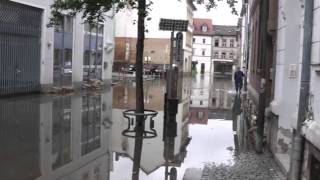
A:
(238, 77)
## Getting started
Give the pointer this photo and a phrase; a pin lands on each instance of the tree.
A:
(93, 11)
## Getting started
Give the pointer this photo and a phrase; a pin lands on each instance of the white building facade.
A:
(224, 50)
(202, 43)
(60, 56)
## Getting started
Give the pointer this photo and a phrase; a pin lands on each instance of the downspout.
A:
(298, 141)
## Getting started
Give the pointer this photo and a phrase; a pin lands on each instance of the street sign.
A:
(179, 46)
(173, 25)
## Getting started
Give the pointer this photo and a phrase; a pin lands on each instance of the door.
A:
(203, 66)
(20, 48)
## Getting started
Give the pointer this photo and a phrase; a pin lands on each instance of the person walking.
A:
(238, 80)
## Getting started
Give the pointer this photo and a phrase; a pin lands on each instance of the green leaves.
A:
(93, 11)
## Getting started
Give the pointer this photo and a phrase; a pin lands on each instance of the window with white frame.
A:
(203, 41)
(203, 52)
(231, 42)
(224, 43)
(204, 28)
(231, 55)
(216, 55)
(223, 55)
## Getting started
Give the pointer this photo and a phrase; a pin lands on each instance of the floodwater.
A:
(80, 136)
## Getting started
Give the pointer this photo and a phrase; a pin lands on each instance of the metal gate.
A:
(20, 36)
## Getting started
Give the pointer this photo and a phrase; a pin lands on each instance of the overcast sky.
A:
(220, 15)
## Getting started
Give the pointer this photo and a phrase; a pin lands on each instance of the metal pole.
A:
(169, 83)
(264, 7)
(247, 48)
(298, 140)
(90, 34)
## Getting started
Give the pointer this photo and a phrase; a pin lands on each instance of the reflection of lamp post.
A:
(147, 116)
(147, 59)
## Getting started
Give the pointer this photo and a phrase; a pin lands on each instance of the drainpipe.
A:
(247, 46)
(264, 13)
(298, 141)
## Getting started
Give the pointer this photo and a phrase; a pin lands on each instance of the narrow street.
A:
(79, 136)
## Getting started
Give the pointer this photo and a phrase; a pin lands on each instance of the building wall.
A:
(158, 49)
(202, 52)
(289, 45)
(47, 46)
(126, 26)
(224, 53)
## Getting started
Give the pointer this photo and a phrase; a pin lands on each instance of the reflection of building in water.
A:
(199, 99)
(220, 94)
(19, 134)
(79, 132)
(153, 149)
(66, 137)
(200, 90)
(124, 96)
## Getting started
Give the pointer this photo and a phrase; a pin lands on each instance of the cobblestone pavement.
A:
(247, 166)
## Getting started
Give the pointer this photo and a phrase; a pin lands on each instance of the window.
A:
(64, 24)
(216, 43)
(200, 115)
(216, 55)
(224, 43)
(193, 51)
(193, 40)
(203, 52)
(231, 55)
(203, 41)
(223, 55)
(201, 103)
(204, 28)
(231, 43)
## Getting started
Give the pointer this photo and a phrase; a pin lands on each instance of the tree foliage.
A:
(94, 10)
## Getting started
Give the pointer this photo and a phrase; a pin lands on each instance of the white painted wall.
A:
(287, 89)
(198, 47)
(47, 45)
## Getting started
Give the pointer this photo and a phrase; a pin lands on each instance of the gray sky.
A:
(220, 15)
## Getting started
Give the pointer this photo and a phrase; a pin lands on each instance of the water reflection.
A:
(65, 137)
(79, 137)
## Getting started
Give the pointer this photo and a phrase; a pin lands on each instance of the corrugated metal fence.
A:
(20, 48)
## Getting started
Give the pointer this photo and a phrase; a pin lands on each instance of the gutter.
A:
(298, 140)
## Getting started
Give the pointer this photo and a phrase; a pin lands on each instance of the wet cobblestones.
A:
(247, 166)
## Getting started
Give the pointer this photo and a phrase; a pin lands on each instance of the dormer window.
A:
(204, 28)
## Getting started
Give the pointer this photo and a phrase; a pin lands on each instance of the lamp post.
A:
(171, 100)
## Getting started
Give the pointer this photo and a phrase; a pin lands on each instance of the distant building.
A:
(215, 48)
(224, 49)
(157, 42)
(202, 45)
(35, 57)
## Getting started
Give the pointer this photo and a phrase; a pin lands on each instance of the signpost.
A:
(171, 101)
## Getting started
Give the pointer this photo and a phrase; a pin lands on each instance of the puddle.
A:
(79, 137)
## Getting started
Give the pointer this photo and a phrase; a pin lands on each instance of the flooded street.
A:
(80, 136)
